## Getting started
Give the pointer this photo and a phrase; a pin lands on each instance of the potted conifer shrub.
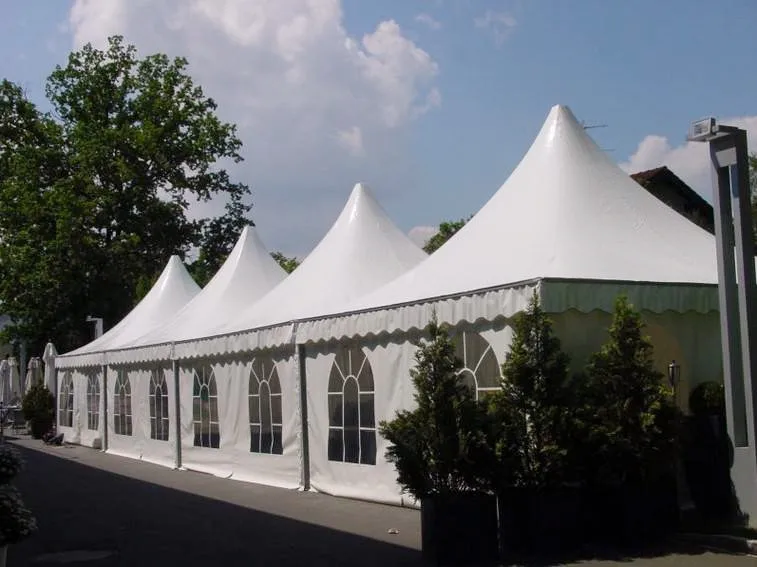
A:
(630, 436)
(39, 410)
(539, 496)
(437, 449)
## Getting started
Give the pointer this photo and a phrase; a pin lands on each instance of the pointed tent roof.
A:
(246, 276)
(567, 211)
(361, 251)
(174, 288)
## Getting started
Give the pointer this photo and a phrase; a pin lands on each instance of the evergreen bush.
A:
(39, 410)
(438, 447)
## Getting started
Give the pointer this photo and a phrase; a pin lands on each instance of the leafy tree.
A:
(632, 422)
(446, 231)
(436, 446)
(288, 264)
(94, 195)
(532, 411)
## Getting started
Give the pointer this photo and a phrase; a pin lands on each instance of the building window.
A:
(265, 407)
(159, 425)
(205, 408)
(66, 401)
(481, 371)
(93, 401)
(352, 424)
(122, 404)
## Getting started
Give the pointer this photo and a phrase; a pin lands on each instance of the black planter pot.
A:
(631, 513)
(459, 529)
(540, 519)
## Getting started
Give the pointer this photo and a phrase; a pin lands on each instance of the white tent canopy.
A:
(363, 250)
(567, 213)
(246, 276)
(173, 290)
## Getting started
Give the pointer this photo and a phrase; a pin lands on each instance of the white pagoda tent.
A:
(569, 224)
(80, 372)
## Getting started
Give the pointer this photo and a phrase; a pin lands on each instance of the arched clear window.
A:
(352, 423)
(481, 371)
(159, 424)
(265, 407)
(66, 400)
(122, 404)
(205, 408)
(93, 401)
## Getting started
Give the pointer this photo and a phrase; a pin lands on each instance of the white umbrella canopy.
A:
(15, 380)
(48, 357)
(33, 373)
(5, 382)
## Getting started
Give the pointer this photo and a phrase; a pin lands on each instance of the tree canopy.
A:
(94, 194)
(287, 264)
(447, 230)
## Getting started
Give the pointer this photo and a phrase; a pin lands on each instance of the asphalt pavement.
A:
(99, 510)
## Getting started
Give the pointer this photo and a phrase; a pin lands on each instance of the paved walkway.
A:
(101, 510)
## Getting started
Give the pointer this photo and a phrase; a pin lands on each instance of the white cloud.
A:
(428, 20)
(690, 161)
(316, 107)
(499, 24)
(352, 140)
(421, 234)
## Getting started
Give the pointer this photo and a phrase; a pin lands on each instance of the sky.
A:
(431, 103)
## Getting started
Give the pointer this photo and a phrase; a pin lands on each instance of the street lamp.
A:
(731, 200)
(98, 325)
(674, 375)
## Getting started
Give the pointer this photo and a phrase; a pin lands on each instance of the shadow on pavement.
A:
(679, 553)
(131, 522)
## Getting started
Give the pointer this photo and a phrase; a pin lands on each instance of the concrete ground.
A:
(99, 510)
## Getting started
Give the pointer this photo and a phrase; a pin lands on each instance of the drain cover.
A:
(73, 556)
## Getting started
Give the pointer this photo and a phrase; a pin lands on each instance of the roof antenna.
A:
(590, 126)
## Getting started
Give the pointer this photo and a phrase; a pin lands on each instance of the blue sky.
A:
(445, 96)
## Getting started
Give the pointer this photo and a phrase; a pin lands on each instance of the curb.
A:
(726, 542)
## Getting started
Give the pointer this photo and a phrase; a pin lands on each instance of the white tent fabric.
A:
(363, 250)
(5, 382)
(246, 276)
(567, 213)
(173, 290)
(48, 357)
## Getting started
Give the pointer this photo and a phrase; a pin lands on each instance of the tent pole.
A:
(177, 411)
(105, 407)
(300, 354)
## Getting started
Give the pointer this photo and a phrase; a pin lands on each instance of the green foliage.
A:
(446, 231)
(11, 463)
(437, 446)
(630, 417)
(288, 264)
(94, 195)
(16, 520)
(707, 398)
(531, 412)
(39, 409)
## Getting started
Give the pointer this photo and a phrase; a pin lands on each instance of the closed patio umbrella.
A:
(5, 382)
(48, 357)
(15, 380)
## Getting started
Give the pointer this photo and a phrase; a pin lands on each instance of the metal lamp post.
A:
(685, 501)
(736, 295)
(98, 321)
